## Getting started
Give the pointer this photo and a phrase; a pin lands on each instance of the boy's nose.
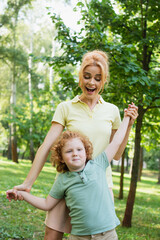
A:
(75, 153)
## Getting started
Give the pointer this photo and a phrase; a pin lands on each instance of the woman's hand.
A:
(23, 187)
(14, 194)
(132, 112)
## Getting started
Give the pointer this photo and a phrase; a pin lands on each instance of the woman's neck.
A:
(90, 102)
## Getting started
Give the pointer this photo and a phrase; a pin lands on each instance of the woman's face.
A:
(91, 83)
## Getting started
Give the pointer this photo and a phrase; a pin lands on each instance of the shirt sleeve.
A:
(57, 190)
(60, 115)
(102, 160)
(117, 119)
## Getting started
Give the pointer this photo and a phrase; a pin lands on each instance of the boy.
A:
(83, 184)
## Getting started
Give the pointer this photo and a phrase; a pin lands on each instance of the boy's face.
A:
(74, 155)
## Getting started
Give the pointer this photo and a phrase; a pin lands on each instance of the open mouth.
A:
(90, 89)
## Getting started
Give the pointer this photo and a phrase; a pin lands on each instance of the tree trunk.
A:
(13, 99)
(14, 147)
(127, 160)
(9, 152)
(31, 144)
(51, 74)
(159, 173)
(140, 164)
(134, 177)
(32, 153)
(131, 166)
(13, 114)
(51, 79)
(121, 178)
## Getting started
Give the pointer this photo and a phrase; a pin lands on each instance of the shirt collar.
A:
(77, 99)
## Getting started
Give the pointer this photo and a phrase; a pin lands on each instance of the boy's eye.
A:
(68, 151)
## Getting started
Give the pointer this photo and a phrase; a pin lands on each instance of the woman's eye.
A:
(98, 79)
(87, 77)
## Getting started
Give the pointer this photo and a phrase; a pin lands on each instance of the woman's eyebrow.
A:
(87, 73)
(98, 74)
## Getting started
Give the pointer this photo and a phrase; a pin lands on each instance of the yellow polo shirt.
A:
(97, 124)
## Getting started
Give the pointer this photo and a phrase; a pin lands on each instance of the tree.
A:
(138, 23)
(10, 19)
(31, 78)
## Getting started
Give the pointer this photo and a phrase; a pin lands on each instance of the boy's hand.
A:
(14, 194)
(132, 112)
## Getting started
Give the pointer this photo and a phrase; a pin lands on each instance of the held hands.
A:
(14, 194)
(23, 187)
(132, 112)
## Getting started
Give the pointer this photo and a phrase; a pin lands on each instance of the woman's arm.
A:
(44, 204)
(41, 156)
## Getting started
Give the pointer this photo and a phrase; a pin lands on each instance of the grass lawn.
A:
(19, 220)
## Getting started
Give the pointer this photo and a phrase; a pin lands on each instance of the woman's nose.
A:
(92, 80)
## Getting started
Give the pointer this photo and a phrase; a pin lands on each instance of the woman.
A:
(89, 114)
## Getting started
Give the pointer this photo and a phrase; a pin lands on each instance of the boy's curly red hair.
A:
(56, 156)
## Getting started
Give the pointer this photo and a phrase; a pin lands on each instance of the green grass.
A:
(19, 220)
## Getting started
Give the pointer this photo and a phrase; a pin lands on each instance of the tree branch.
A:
(153, 107)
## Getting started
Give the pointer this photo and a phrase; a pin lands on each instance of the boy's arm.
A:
(121, 148)
(118, 138)
(132, 112)
(41, 203)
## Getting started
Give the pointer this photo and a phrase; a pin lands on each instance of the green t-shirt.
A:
(88, 198)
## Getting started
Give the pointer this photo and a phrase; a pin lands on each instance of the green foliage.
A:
(43, 98)
(152, 158)
(150, 136)
(134, 26)
(67, 80)
(42, 113)
(20, 220)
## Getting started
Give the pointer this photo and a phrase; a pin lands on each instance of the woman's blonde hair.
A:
(56, 156)
(95, 58)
